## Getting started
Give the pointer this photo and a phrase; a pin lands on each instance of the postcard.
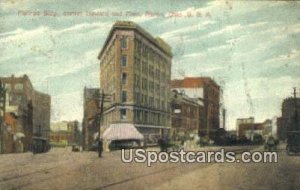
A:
(149, 94)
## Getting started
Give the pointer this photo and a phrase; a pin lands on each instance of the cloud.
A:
(62, 108)
(261, 35)
(224, 8)
(193, 55)
(187, 29)
(265, 96)
(206, 52)
(292, 57)
(230, 29)
(21, 35)
(74, 64)
(143, 18)
(7, 5)
(83, 27)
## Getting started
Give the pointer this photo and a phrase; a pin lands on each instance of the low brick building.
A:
(65, 133)
(246, 130)
(207, 91)
(185, 115)
(31, 107)
(60, 138)
(9, 128)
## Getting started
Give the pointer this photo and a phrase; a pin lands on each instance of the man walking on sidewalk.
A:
(100, 147)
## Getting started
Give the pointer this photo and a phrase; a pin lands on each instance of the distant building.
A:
(60, 138)
(275, 126)
(135, 68)
(232, 134)
(73, 128)
(281, 130)
(90, 123)
(65, 133)
(267, 128)
(185, 115)
(31, 107)
(240, 121)
(244, 120)
(207, 92)
(59, 126)
(247, 130)
(290, 116)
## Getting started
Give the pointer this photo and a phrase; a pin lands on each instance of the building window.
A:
(123, 60)
(19, 87)
(8, 87)
(113, 97)
(139, 115)
(124, 78)
(124, 42)
(18, 99)
(145, 100)
(151, 71)
(124, 96)
(157, 103)
(145, 67)
(136, 81)
(151, 101)
(146, 117)
(138, 98)
(144, 84)
(162, 105)
(157, 88)
(123, 113)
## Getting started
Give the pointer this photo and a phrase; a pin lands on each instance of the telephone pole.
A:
(296, 110)
(103, 98)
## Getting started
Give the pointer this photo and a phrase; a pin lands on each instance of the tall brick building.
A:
(32, 108)
(208, 91)
(135, 68)
(91, 108)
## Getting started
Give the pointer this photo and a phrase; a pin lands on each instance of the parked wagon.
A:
(293, 142)
(40, 145)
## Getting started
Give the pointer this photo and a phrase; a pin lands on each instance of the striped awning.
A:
(122, 131)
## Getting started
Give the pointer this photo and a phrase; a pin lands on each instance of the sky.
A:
(251, 49)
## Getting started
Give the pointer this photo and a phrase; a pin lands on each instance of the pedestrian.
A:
(271, 143)
(162, 145)
(182, 142)
(100, 148)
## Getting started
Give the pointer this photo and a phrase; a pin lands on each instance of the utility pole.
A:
(103, 98)
(296, 110)
(224, 118)
(2, 112)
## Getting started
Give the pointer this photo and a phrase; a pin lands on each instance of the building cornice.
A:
(128, 25)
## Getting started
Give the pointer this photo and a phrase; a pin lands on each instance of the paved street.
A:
(63, 169)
